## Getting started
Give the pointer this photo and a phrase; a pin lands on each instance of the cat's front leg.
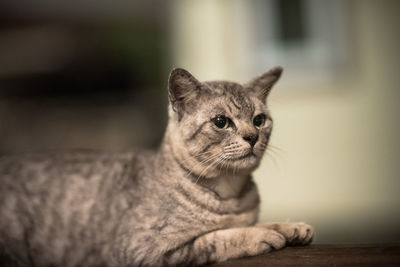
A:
(226, 244)
(295, 233)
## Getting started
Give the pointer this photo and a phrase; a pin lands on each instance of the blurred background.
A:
(93, 75)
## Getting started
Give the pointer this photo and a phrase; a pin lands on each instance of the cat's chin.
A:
(246, 163)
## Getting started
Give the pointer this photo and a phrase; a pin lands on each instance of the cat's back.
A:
(61, 201)
(38, 171)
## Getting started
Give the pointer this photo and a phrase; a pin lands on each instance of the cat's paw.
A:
(263, 240)
(295, 233)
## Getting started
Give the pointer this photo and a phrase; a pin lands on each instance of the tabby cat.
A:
(191, 202)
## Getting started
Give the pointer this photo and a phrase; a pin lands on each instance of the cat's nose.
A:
(251, 139)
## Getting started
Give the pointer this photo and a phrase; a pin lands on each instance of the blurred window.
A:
(304, 36)
(291, 21)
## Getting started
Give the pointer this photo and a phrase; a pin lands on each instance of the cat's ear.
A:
(262, 85)
(182, 89)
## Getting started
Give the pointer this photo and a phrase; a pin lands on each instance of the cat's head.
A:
(219, 127)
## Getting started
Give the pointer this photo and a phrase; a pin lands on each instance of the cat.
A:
(191, 202)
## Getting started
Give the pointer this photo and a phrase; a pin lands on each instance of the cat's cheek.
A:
(259, 151)
(265, 133)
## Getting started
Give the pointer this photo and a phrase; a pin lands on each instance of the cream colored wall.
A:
(337, 162)
(339, 165)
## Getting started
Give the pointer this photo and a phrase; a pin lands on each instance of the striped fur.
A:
(191, 202)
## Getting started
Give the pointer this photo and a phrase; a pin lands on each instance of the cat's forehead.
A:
(232, 99)
(222, 88)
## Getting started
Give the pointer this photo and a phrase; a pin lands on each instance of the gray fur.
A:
(191, 202)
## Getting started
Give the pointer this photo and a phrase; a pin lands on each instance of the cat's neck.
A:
(226, 185)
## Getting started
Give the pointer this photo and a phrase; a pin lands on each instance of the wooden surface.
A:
(314, 255)
(324, 255)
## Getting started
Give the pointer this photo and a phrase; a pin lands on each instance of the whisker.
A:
(186, 160)
(239, 152)
(232, 146)
(272, 157)
(276, 148)
(208, 167)
(204, 162)
(274, 152)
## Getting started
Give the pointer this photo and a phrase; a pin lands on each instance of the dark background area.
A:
(76, 76)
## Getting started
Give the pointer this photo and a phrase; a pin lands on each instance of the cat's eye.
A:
(259, 120)
(221, 121)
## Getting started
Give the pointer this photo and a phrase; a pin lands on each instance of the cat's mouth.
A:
(250, 154)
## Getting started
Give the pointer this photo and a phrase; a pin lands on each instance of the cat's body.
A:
(190, 202)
